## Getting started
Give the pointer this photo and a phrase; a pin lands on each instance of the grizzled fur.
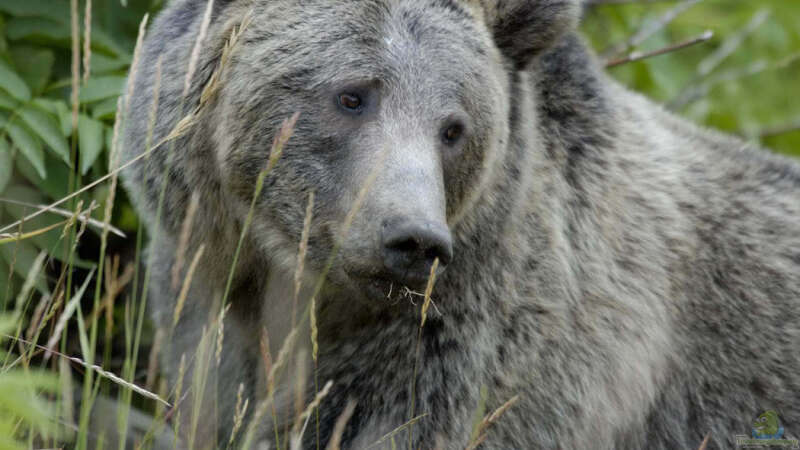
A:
(633, 278)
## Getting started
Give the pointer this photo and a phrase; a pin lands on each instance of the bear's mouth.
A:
(382, 287)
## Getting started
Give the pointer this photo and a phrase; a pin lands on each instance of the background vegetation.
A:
(65, 283)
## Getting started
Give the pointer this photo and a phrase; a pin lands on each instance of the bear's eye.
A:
(350, 102)
(452, 133)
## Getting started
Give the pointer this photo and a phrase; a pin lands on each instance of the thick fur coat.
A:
(633, 278)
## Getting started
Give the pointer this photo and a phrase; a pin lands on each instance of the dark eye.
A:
(350, 102)
(452, 133)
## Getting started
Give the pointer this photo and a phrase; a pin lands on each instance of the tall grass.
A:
(62, 311)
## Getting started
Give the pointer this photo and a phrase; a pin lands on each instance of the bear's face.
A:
(403, 109)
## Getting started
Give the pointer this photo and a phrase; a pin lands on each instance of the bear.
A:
(604, 273)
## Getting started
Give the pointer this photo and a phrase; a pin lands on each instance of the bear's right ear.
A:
(524, 28)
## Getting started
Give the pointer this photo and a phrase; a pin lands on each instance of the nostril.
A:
(409, 249)
(408, 245)
(438, 252)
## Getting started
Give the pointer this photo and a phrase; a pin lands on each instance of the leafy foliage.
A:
(745, 92)
(21, 408)
(43, 155)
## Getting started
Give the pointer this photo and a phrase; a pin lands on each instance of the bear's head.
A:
(403, 109)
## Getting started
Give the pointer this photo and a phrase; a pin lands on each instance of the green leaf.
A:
(56, 183)
(20, 256)
(57, 11)
(7, 102)
(101, 88)
(5, 165)
(47, 241)
(34, 65)
(60, 109)
(90, 138)
(28, 145)
(53, 32)
(48, 129)
(106, 109)
(39, 30)
(102, 64)
(103, 42)
(12, 83)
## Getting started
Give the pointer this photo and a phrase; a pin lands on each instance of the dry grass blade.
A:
(297, 436)
(300, 378)
(335, 442)
(281, 138)
(424, 313)
(301, 255)
(221, 334)
(152, 118)
(183, 240)
(501, 410)
(428, 291)
(638, 56)
(30, 279)
(113, 158)
(152, 361)
(68, 214)
(87, 41)
(314, 329)
(397, 430)
(649, 28)
(38, 313)
(69, 310)
(17, 237)
(198, 43)
(102, 372)
(76, 62)
(704, 444)
(491, 419)
(283, 356)
(266, 356)
(214, 83)
(239, 412)
(187, 282)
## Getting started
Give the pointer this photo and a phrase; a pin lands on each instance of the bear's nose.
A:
(410, 247)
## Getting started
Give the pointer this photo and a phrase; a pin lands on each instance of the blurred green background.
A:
(745, 80)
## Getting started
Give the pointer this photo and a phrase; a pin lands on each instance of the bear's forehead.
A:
(367, 39)
(369, 24)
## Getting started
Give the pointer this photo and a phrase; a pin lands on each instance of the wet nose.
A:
(410, 247)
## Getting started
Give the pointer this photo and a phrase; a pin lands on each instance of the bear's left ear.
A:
(524, 28)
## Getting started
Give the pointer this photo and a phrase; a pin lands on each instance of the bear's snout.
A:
(409, 248)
